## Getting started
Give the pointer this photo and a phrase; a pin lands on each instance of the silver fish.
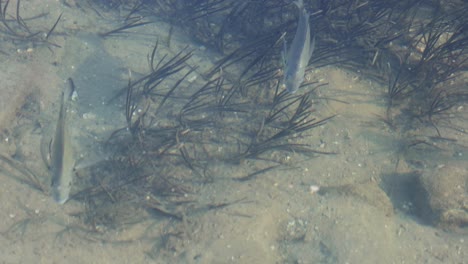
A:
(62, 161)
(299, 53)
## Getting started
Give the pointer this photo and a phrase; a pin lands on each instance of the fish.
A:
(299, 53)
(61, 153)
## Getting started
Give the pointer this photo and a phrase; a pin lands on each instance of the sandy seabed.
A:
(350, 219)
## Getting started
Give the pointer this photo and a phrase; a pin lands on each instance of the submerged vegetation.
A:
(15, 28)
(417, 48)
(176, 133)
(178, 130)
(182, 122)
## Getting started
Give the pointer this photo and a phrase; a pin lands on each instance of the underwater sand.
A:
(280, 219)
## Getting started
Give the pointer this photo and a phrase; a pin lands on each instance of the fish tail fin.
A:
(299, 3)
(300, 6)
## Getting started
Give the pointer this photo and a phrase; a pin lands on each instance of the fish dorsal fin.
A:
(285, 52)
(312, 47)
(49, 153)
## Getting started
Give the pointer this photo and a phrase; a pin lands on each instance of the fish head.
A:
(292, 81)
(60, 192)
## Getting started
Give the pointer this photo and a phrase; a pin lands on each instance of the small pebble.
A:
(313, 189)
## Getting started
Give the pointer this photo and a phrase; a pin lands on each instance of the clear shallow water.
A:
(365, 210)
